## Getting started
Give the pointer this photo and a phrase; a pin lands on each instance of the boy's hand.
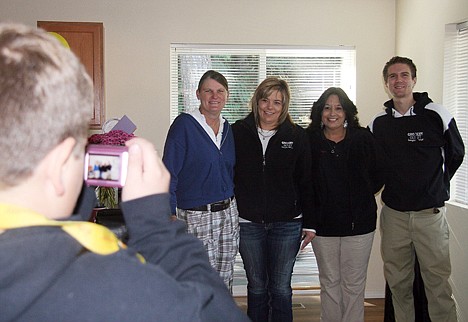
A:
(146, 174)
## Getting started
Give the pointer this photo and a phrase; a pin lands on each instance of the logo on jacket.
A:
(415, 136)
(287, 145)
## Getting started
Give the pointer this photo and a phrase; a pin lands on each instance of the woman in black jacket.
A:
(273, 192)
(345, 176)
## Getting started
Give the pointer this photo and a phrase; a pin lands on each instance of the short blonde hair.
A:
(46, 96)
(264, 89)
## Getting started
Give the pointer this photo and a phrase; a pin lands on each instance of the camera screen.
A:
(104, 167)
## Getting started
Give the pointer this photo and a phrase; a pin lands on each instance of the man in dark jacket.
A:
(424, 150)
(57, 270)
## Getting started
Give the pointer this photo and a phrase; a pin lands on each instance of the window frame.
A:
(301, 100)
(455, 98)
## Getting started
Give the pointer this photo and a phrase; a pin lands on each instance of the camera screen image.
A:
(104, 167)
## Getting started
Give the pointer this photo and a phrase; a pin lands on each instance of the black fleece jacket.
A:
(345, 185)
(275, 187)
(424, 150)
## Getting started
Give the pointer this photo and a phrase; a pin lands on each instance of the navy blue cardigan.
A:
(200, 172)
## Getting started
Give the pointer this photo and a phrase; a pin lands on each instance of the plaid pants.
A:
(219, 232)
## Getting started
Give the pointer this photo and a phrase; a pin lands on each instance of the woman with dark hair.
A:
(345, 176)
(272, 187)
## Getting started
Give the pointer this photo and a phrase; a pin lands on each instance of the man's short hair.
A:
(46, 96)
(399, 60)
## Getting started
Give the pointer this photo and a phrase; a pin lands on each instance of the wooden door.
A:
(85, 39)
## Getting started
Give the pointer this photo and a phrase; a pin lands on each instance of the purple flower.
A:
(114, 137)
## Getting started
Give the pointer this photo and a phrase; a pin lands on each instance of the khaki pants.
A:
(342, 264)
(425, 233)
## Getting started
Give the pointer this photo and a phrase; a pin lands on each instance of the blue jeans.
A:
(269, 253)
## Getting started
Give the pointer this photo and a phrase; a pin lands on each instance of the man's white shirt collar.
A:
(409, 112)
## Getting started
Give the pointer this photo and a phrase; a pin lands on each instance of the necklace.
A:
(266, 134)
(332, 144)
(332, 148)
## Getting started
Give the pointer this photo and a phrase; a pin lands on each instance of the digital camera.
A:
(106, 165)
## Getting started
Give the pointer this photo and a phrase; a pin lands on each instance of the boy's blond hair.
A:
(46, 96)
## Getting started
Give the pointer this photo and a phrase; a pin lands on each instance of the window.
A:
(456, 96)
(308, 71)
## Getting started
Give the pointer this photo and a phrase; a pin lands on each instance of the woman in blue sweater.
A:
(199, 154)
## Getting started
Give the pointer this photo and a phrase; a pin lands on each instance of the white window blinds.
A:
(455, 96)
(308, 71)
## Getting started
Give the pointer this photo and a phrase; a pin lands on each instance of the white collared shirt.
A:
(202, 120)
(409, 112)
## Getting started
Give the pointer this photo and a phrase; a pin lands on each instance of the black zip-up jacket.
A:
(424, 151)
(276, 187)
(344, 198)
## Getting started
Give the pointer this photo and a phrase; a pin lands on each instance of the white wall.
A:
(420, 36)
(458, 221)
(138, 35)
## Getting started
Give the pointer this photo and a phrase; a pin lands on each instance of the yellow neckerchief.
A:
(96, 238)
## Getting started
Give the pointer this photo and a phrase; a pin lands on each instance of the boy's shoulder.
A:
(68, 278)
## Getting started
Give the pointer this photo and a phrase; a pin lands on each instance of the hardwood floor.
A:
(307, 308)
